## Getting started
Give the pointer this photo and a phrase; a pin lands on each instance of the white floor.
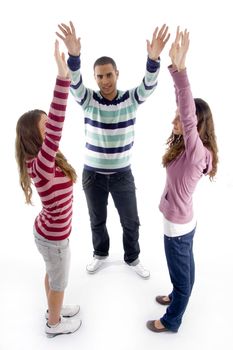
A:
(115, 302)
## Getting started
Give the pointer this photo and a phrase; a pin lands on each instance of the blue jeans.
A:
(122, 189)
(180, 262)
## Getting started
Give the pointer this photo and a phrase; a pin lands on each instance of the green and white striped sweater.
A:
(109, 125)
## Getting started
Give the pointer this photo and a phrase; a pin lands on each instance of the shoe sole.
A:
(52, 335)
(92, 272)
(145, 278)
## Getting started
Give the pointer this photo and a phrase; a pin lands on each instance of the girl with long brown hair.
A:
(192, 152)
(41, 163)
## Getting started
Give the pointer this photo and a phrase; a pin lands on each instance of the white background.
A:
(115, 303)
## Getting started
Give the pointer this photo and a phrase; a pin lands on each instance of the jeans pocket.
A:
(126, 181)
(43, 249)
(88, 178)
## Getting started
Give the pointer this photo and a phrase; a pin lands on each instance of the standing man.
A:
(109, 116)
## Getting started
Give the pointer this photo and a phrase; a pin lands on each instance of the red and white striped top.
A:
(53, 186)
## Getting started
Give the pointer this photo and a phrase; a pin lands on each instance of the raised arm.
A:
(193, 145)
(45, 160)
(78, 90)
(149, 82)
(178, 54)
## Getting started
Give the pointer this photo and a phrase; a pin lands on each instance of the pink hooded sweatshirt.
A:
(185, 171)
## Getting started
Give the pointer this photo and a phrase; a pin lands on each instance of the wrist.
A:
(180, 69)
(153, 58)
(73, 54)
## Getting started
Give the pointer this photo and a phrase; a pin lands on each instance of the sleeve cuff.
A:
(180, 78)
(152, 65)
(73, 62)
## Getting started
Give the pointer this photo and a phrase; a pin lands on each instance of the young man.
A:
(109, 125)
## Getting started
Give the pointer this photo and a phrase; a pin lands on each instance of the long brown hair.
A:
(205, 127)
(27, 145)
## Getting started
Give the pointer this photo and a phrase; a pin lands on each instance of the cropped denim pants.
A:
(122, 189)
(180, 262)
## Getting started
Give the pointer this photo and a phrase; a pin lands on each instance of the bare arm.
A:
(194, 148)
(45, 161)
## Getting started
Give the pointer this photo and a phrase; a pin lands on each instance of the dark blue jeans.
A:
(180, 262)
(122, 189)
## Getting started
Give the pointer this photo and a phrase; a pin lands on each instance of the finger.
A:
(155, 33)
(63, 30)
(60, 36)
(56, 49)
(148, 46)
(166, 39)
(186, 34)
(72, 28)
(163, 36)
(186, 39)
(181, 38)
(67, 28)
(162, 30)
(63, 57)
(177, 34)
(57, 45)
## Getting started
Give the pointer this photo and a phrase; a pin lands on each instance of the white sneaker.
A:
(140, 270)
(67, 311)
(95, 265)
(65, 326)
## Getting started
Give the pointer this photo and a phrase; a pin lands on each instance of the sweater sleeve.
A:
(44, 163)
(81, 94)
(148, 84)
(194, 147)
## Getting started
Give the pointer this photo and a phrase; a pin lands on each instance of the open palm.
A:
(69, 38)
(179, 49)
(158, 42)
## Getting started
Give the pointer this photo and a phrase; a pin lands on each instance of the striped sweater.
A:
(109, 125)
(54, 188)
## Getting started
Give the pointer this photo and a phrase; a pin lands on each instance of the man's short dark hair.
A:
(105, 60)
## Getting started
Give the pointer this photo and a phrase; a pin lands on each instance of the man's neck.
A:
(110, 97)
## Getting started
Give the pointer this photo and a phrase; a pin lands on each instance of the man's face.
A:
(106, 77)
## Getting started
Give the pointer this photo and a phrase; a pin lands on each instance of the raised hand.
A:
(72, 43)
(61, 62)
(158, 42)
(179, 49)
